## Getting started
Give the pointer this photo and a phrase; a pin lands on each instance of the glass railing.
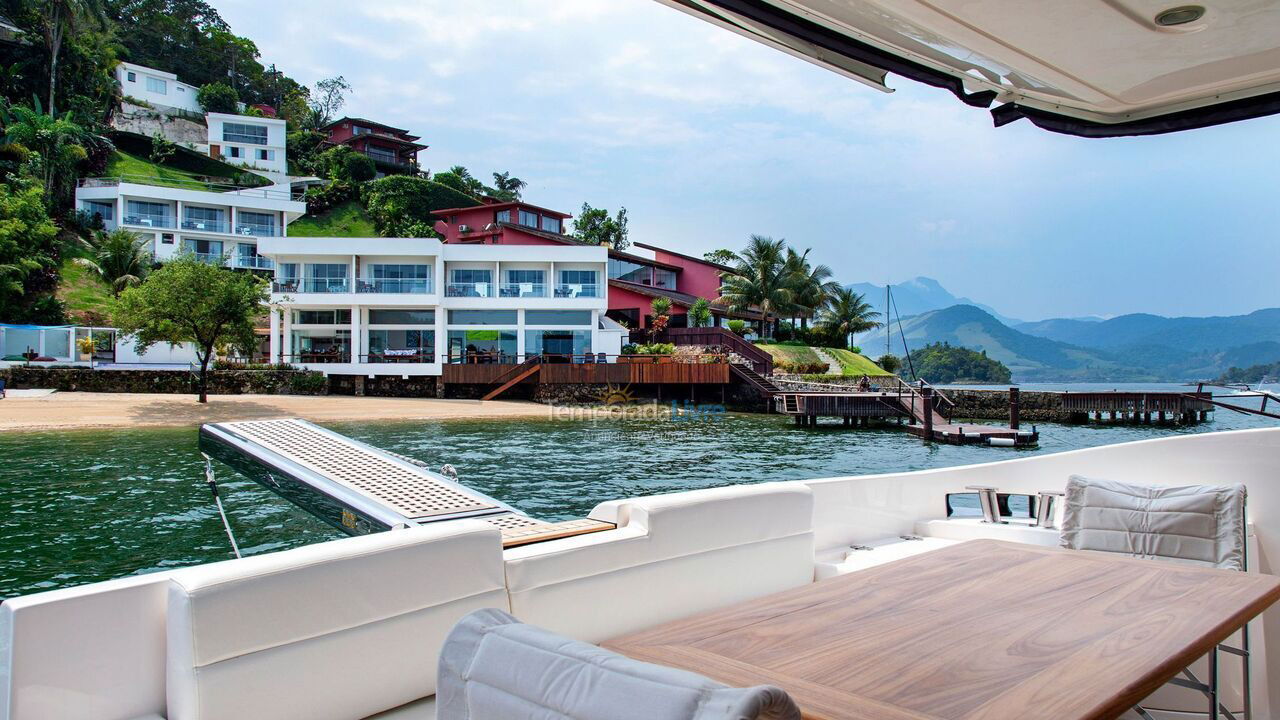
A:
(149, 220)
(395, 285)
(577, 290)
(404, 355)
(312, 285)
(474, 289)
(211, 258)
(318, 356)
(256, 262)
(523, 290)
(217, 226)
(259, 229)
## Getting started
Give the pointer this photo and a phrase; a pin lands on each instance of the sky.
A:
(707, 137)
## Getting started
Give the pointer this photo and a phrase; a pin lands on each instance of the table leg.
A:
(1213, 683)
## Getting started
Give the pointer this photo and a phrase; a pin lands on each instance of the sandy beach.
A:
(75, 410)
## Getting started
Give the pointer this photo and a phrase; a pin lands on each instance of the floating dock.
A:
(360, 489)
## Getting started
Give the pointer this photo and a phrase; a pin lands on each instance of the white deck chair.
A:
(1193, 524)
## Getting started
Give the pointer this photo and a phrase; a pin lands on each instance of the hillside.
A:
(1027, 356)
(851, 363)
(1194, 334)
(348, 219)
(920, 295)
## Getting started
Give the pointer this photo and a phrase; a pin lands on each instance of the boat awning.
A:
(1083, 67)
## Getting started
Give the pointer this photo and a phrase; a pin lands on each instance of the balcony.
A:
(254, 262)
(523, 290)
(312, 285)
(418, 286)
(406, 355)
(471, 289)
(210, 258)
(150, 220)
(211, 226)
(257, 229)
(574, 290)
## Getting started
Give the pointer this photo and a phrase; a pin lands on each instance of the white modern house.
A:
(256, 143)
(157, 87)
(406, 306)
(217, 226)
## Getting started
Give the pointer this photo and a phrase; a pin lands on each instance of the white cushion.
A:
(340, 630)
(424, 709)
(672, 556)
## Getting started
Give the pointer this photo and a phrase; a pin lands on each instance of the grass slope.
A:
(87, 298)
(791, 353)
(346, 220)
(851, 363)
(136, 168)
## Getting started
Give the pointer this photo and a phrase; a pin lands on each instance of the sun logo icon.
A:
(614, 395)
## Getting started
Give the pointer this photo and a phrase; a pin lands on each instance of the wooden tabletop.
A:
(977, 631)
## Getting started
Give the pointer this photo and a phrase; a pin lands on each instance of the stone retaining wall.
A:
(994, 405)
(221, 382)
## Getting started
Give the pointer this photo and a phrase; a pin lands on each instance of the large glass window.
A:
(204, 218)
(578, 283)
(525, 283)
(107, 210)
(150, 214)
(157, 86)
(529, 219)
(19, 340)
(551, 224)
(326, 277)
(322, 346)
(384, 155)
(395, 278)
(287, 271)
(255, 223)
(322, 317)
(557, 344)
(664, 278)
(206, 250)
(630, 272)
(244, 133)
(401, 345)
(466, 282)
(557, 317)
(482, 317)
(502, 216)
(402, 317)
(57, 343)
(360, 130)
(482, 346)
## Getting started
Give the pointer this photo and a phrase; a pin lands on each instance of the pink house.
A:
(393, 150)
(507, 223)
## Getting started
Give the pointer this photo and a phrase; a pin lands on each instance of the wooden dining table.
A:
(981, 630)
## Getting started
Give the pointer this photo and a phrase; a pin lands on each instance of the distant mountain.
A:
(920, 295)
(1028, 356)
(1195, 334)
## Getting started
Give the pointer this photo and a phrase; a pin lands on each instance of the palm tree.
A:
(508, 187)
(475, 188)
(759, 280)
(58, 141)
(846, 312)
(119, 257)
(57, 19)
(811, 284)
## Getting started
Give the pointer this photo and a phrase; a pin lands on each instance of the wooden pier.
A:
(1138, 408)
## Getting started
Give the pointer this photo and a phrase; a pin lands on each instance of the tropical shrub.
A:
(326, 197)
(120, 258)
(800, 368)
(738, 327)
(700, 313)
(343, 164)
(28, 256)
(402, 205)
(889, 363)
(162, 148)
(218, 97)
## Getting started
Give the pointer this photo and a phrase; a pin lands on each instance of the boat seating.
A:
(671, 556)
(337, 630)
(839, 561)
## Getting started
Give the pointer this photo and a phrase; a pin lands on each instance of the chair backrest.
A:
(671, 556)
(343, 629)
(493, 666)
(1200, 524)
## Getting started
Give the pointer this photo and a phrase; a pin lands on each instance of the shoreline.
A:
(88, 411)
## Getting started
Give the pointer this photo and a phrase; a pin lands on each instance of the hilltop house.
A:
(393, 150)
(160, 89)
(649, 272)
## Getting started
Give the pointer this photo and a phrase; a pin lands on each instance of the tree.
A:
(120, 258)
(846, 313)
(162, 148)
(56, 143)
(344, 164)
(889, 363)
(507, 187)
(191, 301)
(328, 98)
(661, 309)
(700, 313)
(28, 250)
(218, 97)
(810, 284)
(760, 280)
(402, 205)
(469, 184)
(594, 226)
(721, 257)
(59, 18)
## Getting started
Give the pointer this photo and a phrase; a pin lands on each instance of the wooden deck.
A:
(592, 373)
(1139, 407)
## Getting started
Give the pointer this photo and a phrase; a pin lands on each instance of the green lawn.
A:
(851, 363)
(83, 293)
(138, 169)
(791, 353)
(346, 220)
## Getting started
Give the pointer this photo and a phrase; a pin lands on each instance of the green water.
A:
(79, 507)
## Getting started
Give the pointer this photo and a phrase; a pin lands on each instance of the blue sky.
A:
(707, 137)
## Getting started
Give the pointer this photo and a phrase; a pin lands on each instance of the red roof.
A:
(499, 206)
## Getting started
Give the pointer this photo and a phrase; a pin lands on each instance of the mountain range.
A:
(1128, 348)
(919, 295)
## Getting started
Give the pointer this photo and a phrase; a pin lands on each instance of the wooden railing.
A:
(761, 361)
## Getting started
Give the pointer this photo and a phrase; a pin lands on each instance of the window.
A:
(664, 278)
(203, 247)
(322, 317)
(330, 271)
(557, 317)
(244, 133)
(287, 272)
(551, 224)
(465, 282)
(256, 223)
(402, 317)
(180, 88)
(401, 345)
(482, 317)
(464, 275)
(525, 276)
(630, 272)
(235, 152)
(502, 216)
(157, 86)
(383, 155)
(132, 76)
(557, 342)
(204, 218)
(482, 345)
(358, 130)
(268, 155)
(528, 219)
(400, 278)
(151, 214)
(106, 210)
(578, 277)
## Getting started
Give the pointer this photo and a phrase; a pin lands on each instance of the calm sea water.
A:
(78, 507)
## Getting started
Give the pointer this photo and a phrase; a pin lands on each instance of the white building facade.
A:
(257, 143)
(157, 87)
(407, 306)
(220, 227)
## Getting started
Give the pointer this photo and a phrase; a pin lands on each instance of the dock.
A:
(360, 489)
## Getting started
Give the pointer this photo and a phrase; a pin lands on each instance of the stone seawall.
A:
(994, 405)
(221, 382)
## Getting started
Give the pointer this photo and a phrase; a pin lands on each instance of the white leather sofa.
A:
(671, 556)
(334, 631)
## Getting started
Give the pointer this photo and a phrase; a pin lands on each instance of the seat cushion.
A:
(1196, 524)
(424, 709)
(339, 630)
